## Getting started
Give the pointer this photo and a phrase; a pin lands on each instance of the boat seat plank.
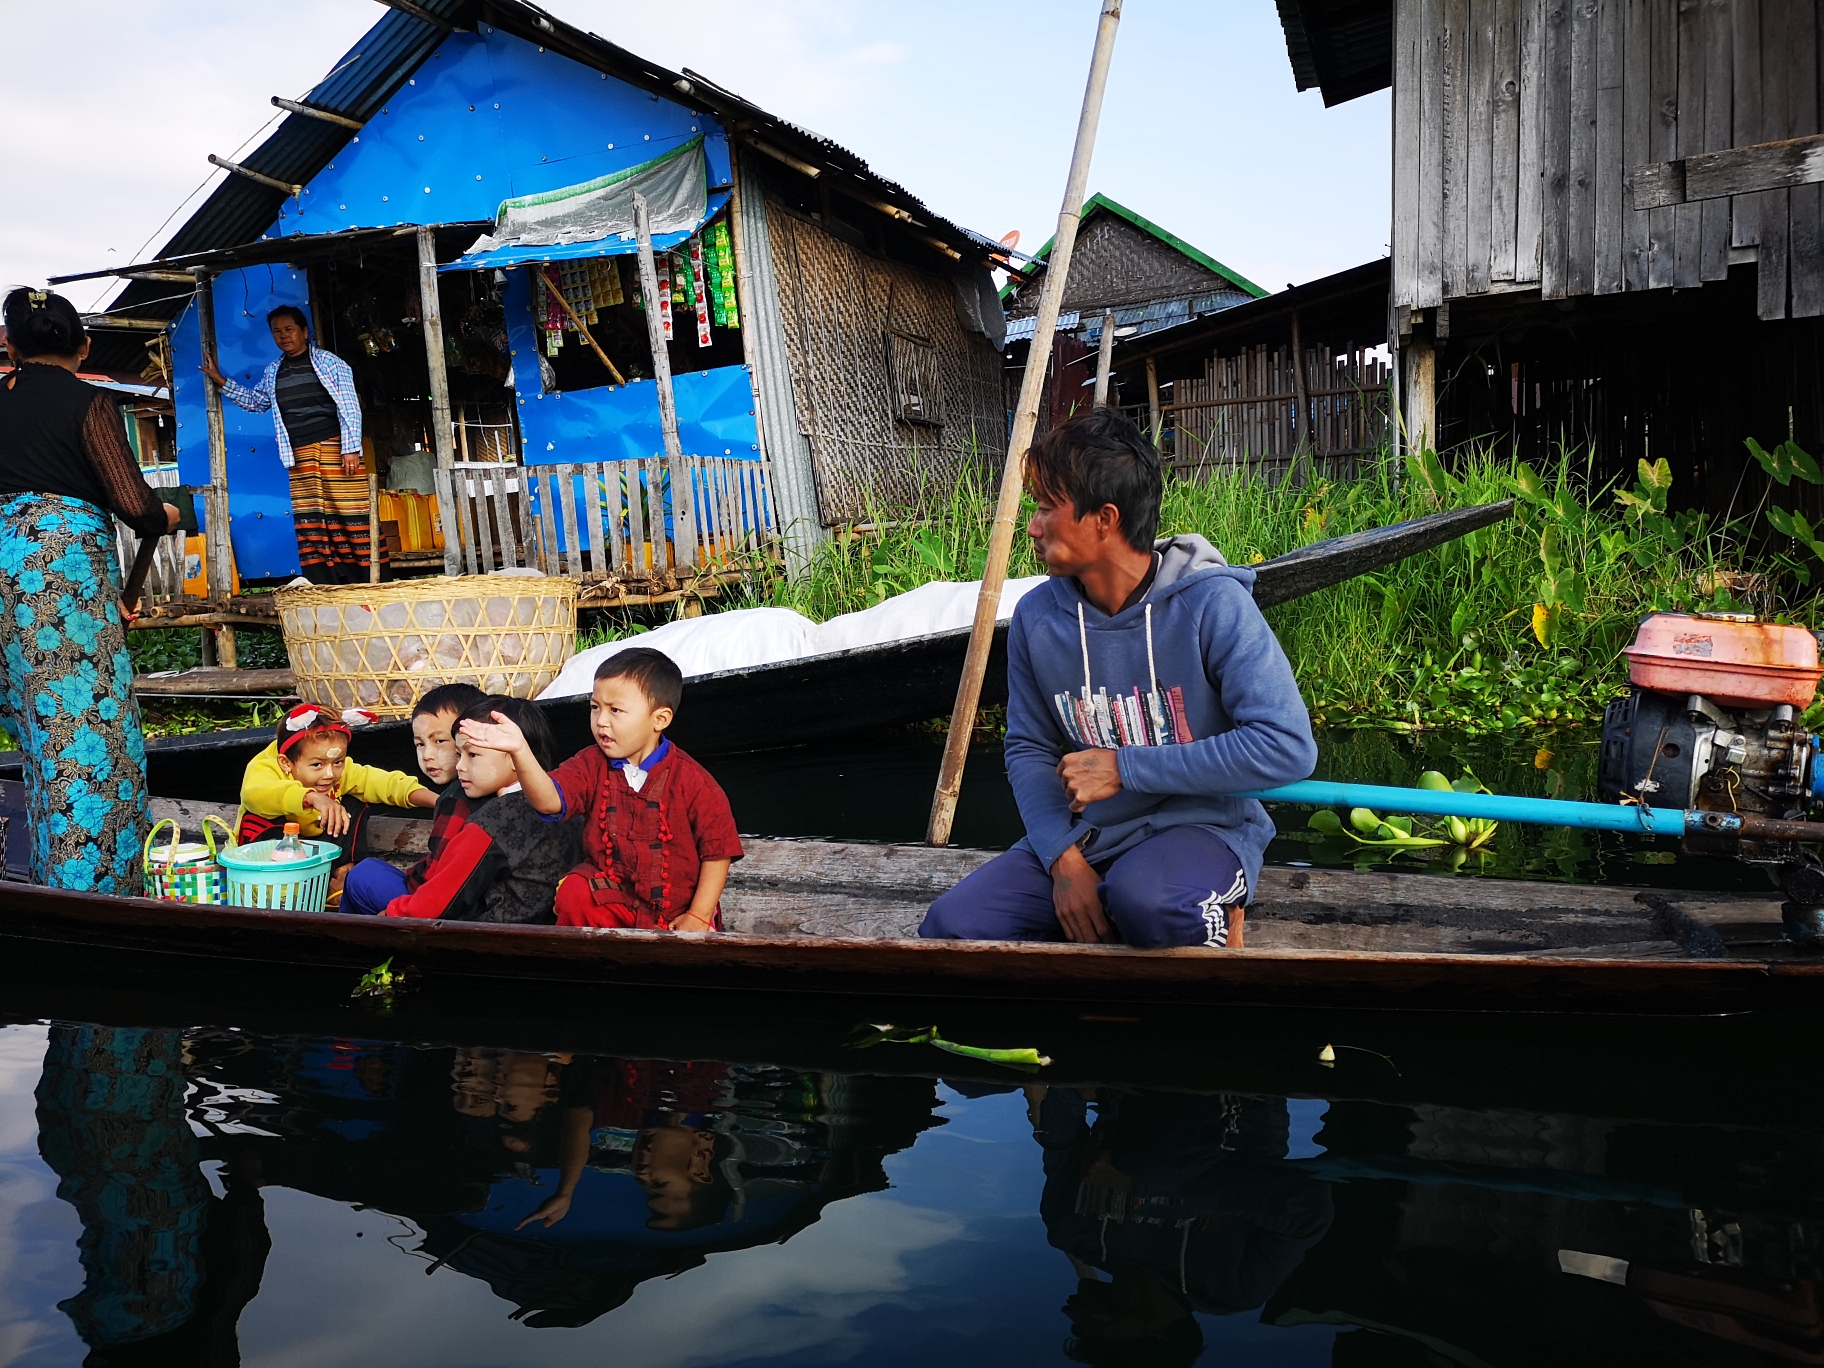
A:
(853, 890)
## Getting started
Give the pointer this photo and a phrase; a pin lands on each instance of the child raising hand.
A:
(658, 834)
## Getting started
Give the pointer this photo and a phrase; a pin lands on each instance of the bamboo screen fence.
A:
(1245, 411)
(620, 518)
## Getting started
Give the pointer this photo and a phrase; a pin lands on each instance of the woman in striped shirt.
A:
(317, 417)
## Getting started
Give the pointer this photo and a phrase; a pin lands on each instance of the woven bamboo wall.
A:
(839, 305)
(1116, 263)
(1242, 411)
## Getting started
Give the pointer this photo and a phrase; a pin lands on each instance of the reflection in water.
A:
(167, 1266)
(1182, 1202)
(562, 1182)
(1362, 1232)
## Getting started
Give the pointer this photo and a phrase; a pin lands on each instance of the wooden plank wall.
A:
(1516, 122)
(1242, 412)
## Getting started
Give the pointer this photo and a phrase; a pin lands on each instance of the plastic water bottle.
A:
(291, 846)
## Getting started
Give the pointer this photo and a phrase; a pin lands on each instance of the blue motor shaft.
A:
(1499, 807)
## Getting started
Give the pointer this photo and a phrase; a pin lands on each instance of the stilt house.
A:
(453, 206)
(1293, 378)
(1123, 265)
(1608, 222)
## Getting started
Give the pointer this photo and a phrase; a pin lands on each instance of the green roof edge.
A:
(1146, 225)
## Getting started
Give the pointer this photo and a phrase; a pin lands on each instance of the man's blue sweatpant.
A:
(1171, 889)
(370, 886)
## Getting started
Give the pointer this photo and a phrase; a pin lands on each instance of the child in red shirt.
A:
(658, 835)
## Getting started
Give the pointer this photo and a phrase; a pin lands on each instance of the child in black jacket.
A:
(504, 862)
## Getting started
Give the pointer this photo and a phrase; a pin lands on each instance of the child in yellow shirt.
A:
(305, 776)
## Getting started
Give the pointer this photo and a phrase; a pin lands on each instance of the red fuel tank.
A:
(1736, 661)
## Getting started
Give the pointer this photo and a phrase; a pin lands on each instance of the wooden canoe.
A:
(839, 918)
(844, 693)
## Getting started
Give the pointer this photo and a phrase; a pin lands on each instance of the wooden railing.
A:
(1248, 410)
(621, 518)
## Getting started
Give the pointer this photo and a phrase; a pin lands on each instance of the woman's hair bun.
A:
(42, 323)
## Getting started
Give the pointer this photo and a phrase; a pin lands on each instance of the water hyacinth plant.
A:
(1517, 626)
(869, 1034)
(1397, 832)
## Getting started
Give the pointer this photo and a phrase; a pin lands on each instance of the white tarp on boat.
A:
(749, 637)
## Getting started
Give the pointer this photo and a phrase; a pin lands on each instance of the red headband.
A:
(306, 718)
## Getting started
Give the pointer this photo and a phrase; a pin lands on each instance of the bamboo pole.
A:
(218, 550)
(1025, 423)
(558, 292)
(661, 373)
(430, 308)
(1105, 355)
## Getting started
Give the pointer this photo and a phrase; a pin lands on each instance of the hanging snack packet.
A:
(696, 280)
(605, 275)
(725, 276)
(663, 263)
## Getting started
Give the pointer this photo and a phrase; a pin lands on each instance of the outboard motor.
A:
(1712, 724)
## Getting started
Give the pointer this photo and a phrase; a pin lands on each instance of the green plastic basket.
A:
(289, 886)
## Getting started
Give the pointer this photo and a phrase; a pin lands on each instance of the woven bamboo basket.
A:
(380, 646)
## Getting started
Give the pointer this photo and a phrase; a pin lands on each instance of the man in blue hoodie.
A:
(1144, 687)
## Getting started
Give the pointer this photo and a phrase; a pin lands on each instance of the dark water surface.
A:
(242, 1176)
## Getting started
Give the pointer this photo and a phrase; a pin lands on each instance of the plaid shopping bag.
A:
(186, 871)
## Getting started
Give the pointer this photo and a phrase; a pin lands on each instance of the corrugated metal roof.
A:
(1153, 316)
(239, 210)
(1022, 329)
(1343, 48)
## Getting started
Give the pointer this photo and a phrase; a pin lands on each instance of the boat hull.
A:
(994, 971)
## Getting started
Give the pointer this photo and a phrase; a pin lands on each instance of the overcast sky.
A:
(109, 110)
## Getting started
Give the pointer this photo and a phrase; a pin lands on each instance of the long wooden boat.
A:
(840, 919)
(844, 693)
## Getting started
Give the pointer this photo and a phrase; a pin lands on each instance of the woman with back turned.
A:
(65, 679)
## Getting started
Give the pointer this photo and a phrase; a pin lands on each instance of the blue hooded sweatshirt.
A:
(1189, 687)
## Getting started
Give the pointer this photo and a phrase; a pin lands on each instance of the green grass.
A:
(1519, 625)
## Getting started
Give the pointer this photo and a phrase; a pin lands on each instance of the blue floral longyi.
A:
(66, 693)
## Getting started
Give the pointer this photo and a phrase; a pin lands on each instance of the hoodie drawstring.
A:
(1152, 670)
(1083, 636)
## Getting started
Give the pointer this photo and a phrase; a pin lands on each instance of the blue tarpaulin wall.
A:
(487, 118)
(715, 407)
(259, 491)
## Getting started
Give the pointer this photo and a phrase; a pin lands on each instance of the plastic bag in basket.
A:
(186, 871)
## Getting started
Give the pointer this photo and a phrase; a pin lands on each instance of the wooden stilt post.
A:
(443, 442)
(373, 528)
(1025, 423)
(681, 522)
(1418, 414)
(1301, 422)
(218, 549)
(1304, 437)
(1105, 355)
(1152, 400)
